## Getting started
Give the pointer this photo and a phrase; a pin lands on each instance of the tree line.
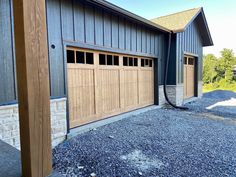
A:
(218, 71)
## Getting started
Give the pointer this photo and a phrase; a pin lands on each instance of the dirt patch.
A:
(141, 161)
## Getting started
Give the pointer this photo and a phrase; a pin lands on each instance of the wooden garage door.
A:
(105, 84)
(189, 77)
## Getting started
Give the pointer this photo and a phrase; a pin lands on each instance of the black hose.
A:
(166, 76)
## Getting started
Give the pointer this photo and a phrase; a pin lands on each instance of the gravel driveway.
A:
(161, 142)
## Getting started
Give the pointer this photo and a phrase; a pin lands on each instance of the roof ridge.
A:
(197, 8)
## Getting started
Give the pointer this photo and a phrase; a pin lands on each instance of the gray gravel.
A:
(219, 102)
(162, 142)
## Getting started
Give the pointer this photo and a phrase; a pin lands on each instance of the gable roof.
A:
(178, 22)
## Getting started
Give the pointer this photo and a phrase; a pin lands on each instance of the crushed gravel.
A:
(219, 102)
(158, 143)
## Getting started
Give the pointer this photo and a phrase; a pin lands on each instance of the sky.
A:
(220, 15)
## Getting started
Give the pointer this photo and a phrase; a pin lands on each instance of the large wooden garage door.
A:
(189, 77)
(104, 84)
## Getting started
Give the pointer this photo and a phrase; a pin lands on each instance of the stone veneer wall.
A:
(200, 84)
(9, 123)
(175, 93)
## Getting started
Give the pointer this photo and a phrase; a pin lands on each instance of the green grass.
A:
(212, 87)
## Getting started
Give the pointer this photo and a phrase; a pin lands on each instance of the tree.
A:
(225, 65)
(209, 68)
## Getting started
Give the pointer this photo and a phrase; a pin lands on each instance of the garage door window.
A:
(108, 60)
(70, 56)
(89, 58)
(130, 61)
(79, 57)
(116, 60)
(146, 62)
(191, 61)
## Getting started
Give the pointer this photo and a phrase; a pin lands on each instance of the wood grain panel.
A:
(146, 86)
(189, 78)
(108, 86)
(33, 87)
(131, 87)
(81, 93)
(99, 91)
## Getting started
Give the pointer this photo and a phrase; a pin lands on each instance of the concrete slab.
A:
(10, 165)
(10, 162)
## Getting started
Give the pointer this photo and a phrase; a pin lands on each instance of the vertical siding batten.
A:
(115, 32)
(89, 24)
(67, 20)
(99, 27)
(13, 50)
(56, 59)
(79, 25)
(78, 22)
(7, 82)
(121, 33)
(107, 30)
(189, 42)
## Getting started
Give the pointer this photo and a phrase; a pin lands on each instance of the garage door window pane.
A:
(102, 59)
(116, 60)
(142, 62)
(146, 62)
(80, 57)
(125, 61)
(185, 60)
(150, 63)
(191, 61)
(89, 58)
(70, 56)
(109, 60)
(131, 61)
(135, 62)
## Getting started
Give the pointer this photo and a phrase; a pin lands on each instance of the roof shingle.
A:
(178, 21)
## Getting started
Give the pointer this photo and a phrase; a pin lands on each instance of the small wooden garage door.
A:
(105, 84)
(189, 71)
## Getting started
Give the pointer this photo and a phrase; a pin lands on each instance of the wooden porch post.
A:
(33, 87)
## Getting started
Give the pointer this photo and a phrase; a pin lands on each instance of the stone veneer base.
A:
(9, 123)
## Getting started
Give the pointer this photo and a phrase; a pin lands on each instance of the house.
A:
(104, 61)
(190, 35)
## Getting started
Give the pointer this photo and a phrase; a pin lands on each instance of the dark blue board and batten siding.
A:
(79, 24)
(187, 42)
(190, 42)
(7, 56)
(76, 23)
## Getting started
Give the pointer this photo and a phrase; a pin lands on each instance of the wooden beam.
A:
(33, 87)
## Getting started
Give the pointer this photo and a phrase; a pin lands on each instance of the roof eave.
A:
(210, 41)
(208, 30)
(122, 11)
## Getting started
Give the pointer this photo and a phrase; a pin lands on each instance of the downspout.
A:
(166, 76)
